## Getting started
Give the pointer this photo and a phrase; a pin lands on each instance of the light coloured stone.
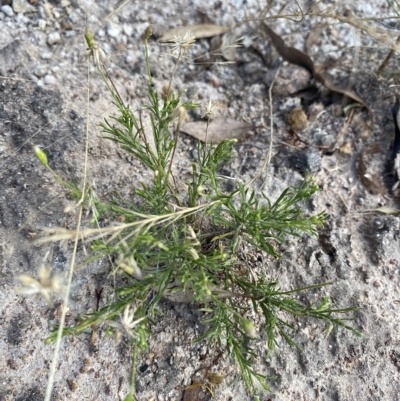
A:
(22, 6)
(7, 10)
(40, 70)
(42, 24)
(50, 80)
(113, 30)
(53, 38)
(128, 29)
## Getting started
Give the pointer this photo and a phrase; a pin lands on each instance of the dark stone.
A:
(144, 367)
(306, 160)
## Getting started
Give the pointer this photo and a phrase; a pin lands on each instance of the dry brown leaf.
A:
(326, 79)
(371, 181)
(199, 31)
(295, 56)
(218, 130)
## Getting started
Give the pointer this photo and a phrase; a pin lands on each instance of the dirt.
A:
(43, 101)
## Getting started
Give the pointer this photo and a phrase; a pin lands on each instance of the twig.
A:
(271, 111)
(387, 59)
(53, 366)
(343, 131)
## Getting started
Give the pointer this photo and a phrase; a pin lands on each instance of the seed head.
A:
(127, 324)
(95, 51)
(44, 286)
(41, 155)
(148, 32)
(212, 110)
(181, 114)
(180, 45)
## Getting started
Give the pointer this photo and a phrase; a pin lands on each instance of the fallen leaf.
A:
(371, 181)
(218, 130)
(199, 31)
(289, 54)
(326, 79)
(295, 56)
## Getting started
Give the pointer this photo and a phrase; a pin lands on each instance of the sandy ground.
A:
(43, 101)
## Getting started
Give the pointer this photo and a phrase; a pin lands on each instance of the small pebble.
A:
(114, 30)
(53, 38)
(46, 55)
(74, 17)
(128, 29)
(306, 160)
(40, 71)
(50, 80)
(7, 10)
(42, 24)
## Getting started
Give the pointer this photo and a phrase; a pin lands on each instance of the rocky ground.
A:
(43, 101)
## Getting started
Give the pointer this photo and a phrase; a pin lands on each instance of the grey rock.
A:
(306, 160)
(40, 70)
(9, 58)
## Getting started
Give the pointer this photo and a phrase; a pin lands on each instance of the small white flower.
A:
(126, 325)
(45, 286)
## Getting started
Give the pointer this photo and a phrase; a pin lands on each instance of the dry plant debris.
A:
(295, 56)
(371, 181)
(198, 31)
(218, 130)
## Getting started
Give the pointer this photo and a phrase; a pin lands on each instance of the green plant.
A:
(185, 246)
